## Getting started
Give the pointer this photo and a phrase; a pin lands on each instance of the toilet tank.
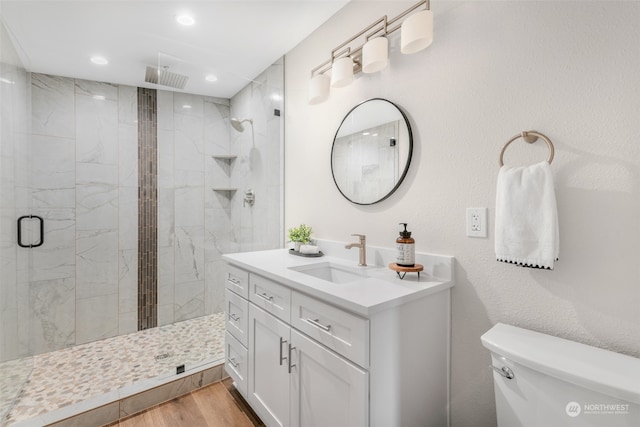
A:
(560, 383)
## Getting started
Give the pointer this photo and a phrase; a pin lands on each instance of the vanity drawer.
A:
(270, 296)
(341, 331)
(237, 280)
(236, 362)
(237, 321)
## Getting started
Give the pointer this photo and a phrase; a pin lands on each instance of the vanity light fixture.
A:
(375, 54)
(342, 72)
(319, 88)
(416, 34)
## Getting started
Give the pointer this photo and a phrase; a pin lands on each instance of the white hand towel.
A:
(526, 230)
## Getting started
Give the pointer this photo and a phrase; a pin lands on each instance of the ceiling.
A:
(234, 40)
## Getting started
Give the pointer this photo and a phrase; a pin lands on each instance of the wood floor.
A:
(217, 405)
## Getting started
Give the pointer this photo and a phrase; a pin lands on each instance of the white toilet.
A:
(544, 381)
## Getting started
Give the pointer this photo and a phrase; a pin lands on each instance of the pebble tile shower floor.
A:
(64, 377)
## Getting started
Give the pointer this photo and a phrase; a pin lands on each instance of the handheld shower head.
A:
(237, 123)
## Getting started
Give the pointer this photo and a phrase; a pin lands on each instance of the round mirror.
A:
(371, 151)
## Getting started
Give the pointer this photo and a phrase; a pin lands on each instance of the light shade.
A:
(318, 88)
(417, 32)
(342, 72)
(375, 55)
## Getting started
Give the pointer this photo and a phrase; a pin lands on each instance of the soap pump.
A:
(406, 250)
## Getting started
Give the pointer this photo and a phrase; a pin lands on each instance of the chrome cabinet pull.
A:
(317, 324)
(234, 317)
(265, 297)
(505, 371)
(291, 365)
(282, 359)
(233, 362)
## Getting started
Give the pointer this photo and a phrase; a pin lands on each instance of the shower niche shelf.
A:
(225, 157)
(224, 161)
(229, 191)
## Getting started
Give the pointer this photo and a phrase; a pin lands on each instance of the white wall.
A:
(567, 69)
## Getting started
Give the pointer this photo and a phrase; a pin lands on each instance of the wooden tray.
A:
(417, 268)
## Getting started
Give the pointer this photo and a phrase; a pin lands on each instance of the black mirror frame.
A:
(406, 168)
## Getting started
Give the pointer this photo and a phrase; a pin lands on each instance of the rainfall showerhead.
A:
(237, 123)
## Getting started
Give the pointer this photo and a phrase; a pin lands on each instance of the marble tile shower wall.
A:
(81, 285)
(259, 165)
(194, 226)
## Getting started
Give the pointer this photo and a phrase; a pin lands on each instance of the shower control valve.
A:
(249, 198)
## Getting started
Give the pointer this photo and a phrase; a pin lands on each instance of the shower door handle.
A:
(40, 241)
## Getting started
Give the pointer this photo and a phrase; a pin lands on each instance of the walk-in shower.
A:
(137, 204)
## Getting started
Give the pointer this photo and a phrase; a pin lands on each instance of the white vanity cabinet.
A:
(313, 360)
(305, 384)
(292, 380)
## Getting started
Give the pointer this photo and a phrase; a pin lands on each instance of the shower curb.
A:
(129, 400)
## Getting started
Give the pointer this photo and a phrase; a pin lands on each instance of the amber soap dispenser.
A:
(406, 248)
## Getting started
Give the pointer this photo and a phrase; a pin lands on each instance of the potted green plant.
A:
(300, 235)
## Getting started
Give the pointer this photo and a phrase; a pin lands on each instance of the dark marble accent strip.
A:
(147, 208)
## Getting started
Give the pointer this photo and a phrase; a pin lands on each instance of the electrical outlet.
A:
(477, 222)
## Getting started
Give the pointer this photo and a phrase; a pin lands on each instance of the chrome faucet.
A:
(362, 245)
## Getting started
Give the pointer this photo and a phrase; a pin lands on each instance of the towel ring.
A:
(529, 136)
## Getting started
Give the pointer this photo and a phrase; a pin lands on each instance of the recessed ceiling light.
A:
(186, 106)
(99, 97)
(211, 78)
(185, 20)
(99, 60)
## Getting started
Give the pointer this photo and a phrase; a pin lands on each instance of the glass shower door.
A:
(15, 261)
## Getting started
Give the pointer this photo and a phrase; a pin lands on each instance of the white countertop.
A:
(381, 290)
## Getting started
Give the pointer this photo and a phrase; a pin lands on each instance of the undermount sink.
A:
(331, 272)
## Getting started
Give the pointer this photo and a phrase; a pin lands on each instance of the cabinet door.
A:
(268, 367)
(326, 389)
